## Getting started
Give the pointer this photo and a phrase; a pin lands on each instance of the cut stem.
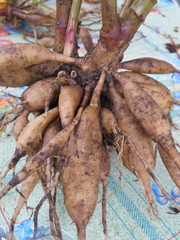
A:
(109, 14)
(62, 16)
(125, 7)
(133, 15)
(70, 36)
(115, 37)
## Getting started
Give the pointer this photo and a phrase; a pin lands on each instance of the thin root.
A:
(150, 173)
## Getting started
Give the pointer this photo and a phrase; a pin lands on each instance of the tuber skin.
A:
(31, 136)
(18, 56)
(52, 129)
(148, 65)
(28, 186)
(151, 117)
(20, 123)
(129, 157)
(81, 176)
(137, 77)
(108, 120)
(81, 182)
(133, 163)
(18, 78)
(31, 166)
(29, 183)
(27, 76)
(160, 95)
(128, 124)
(53, 147)
(34, 97)
(69, 100)
(171, 167)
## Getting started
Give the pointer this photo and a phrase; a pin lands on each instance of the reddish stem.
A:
(110, 30)
(109, 14)
(62, 16)
(6, 12)
(116, 34)
(71, 31)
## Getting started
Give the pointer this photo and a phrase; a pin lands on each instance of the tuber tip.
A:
(16, 157)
